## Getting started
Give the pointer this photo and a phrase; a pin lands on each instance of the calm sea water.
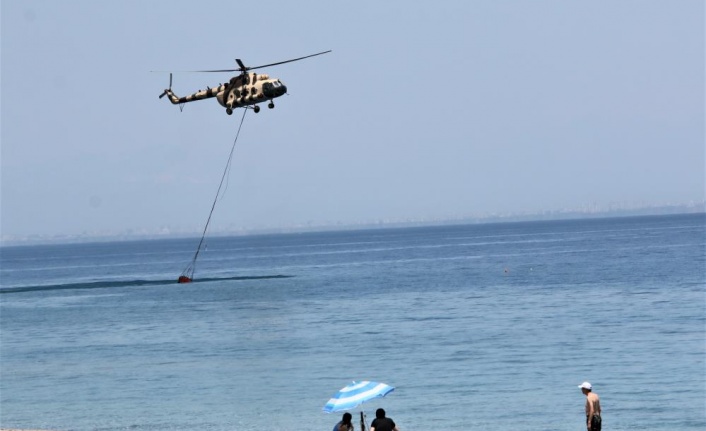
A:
(478, 327)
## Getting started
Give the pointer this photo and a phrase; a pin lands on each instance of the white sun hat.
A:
(586, 385)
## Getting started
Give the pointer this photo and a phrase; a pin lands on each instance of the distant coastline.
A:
(176, 233)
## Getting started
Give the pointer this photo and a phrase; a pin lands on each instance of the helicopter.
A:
(242, 91)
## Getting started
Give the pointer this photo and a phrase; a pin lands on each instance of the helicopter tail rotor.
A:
(164, 93)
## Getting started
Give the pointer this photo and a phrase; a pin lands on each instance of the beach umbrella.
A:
(355, 394)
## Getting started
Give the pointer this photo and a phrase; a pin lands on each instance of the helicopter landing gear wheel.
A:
(229, 111)
(256, 109)
(271, 105)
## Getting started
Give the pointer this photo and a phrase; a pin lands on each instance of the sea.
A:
(477, 326)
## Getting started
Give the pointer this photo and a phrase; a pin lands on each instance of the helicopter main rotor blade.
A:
(287, 61)
(209, 71)
(244, 68)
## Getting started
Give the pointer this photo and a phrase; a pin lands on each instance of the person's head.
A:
(347, 418)
(380, 413)
(586, 388)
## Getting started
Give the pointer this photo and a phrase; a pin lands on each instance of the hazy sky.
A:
(423, 109)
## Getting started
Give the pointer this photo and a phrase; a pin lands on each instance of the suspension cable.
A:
(188, 274)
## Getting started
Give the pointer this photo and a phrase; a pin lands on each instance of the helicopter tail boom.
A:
(199, 95)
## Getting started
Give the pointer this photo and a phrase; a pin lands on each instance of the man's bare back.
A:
(593, 404)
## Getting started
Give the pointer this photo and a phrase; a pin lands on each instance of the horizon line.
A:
(546, 215)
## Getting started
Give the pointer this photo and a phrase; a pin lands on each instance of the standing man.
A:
(381, 423)
(593, 407)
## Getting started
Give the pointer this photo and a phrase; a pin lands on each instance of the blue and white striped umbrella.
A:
(355, 394)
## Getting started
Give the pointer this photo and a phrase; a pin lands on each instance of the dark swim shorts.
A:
(595, 423)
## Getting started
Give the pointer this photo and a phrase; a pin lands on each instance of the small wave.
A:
(129, 283)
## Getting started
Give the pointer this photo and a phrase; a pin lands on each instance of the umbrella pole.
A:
(362, 422)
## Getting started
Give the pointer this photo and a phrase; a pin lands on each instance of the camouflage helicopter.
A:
(242, 91)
